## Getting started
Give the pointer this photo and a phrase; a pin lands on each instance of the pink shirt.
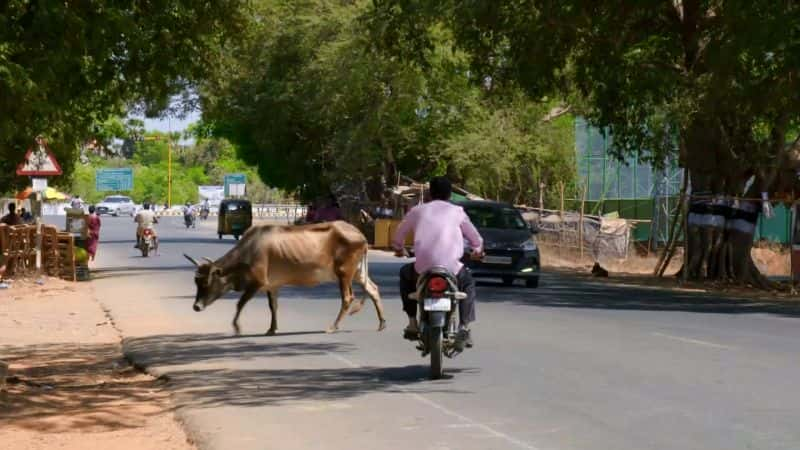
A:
(439, 231)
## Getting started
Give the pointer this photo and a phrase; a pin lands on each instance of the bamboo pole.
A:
(580, 222)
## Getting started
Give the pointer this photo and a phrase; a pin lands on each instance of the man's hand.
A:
(476, 255)
(401, 253)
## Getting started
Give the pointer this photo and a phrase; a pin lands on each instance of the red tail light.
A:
(437, 285)
(147, 232)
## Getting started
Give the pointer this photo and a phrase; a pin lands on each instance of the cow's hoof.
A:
(236, 330)
(271, 332)
(332, 330)
(382, 325)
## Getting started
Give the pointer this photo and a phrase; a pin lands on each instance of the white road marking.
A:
(694, 341)
(444, 409)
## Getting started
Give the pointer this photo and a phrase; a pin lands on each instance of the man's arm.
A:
(471, 233)
(405, 227)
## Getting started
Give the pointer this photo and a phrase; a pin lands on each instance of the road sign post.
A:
(39, 162)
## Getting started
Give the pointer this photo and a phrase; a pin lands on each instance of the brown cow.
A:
(269, 257)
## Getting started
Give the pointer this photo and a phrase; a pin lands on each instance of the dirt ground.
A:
(637, 269)
(68, 386)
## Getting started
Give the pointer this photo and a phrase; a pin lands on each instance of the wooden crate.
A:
(66, 256)
(385, 230)
(50, 252)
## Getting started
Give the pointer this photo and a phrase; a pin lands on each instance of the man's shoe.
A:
(463, 339)
(411, 333)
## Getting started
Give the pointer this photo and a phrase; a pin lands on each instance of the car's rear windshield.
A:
(495, 217)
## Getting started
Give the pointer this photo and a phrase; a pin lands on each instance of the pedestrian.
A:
(11, 218)
(93, 223)
(330, 212)
(25, 216)
(76, 203)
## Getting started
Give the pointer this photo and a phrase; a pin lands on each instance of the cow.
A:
(269, 257)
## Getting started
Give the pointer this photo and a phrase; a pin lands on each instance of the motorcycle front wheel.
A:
(435, 347)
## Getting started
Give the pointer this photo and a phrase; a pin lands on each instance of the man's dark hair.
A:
(12, 207)
(91, 209)
(146, 205)
(441, 189)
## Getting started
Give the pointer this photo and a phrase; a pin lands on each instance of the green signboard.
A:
(235, 184)
(114, 179)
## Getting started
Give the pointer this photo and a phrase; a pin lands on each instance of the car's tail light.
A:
(437, 286)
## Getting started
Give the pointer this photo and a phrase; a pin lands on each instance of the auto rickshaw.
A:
(235, 217)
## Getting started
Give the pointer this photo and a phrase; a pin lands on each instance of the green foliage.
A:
(307, 97)
(719, 76)
(66, 66)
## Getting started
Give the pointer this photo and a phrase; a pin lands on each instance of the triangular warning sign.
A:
(39, 161)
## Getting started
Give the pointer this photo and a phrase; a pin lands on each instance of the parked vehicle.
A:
(438, 296)
(509, 244)
(116, 205)
(235, 217)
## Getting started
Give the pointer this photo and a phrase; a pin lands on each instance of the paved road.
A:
(572, 365)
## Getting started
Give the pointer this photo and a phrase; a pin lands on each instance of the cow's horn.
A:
(208, 260)
(192, 260)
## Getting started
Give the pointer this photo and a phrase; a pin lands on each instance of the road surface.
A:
(572, 365)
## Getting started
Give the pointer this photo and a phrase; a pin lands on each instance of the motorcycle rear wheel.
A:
(435, 347)
(145, 250)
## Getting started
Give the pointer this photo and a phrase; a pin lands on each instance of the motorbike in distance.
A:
(189, 219)
(148, 242)
(204, 213)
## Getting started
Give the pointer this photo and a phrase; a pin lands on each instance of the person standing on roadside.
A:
(93, 223)
(11, 218)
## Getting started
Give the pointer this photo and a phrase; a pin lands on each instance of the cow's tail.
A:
(363, 279)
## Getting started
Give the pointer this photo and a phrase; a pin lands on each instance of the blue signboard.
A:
(234, 184)
(114, 179)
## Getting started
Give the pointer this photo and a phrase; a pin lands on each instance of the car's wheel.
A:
(236, 236)
(220, 235)
(532, 282)
(508, 281)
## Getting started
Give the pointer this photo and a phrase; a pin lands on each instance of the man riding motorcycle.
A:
(144, 219)
(188, 214)
(205, 208)
(439, 229)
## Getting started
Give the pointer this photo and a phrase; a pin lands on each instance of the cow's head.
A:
(211, 283)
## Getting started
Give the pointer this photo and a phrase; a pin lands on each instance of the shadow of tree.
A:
(564, 292)
(210, 370)
(77, 387)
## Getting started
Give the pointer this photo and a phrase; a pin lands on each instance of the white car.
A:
(116, 205)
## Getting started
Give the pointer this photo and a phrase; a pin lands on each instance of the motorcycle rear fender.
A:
(437, 318)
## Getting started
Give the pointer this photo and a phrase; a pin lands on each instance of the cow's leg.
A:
(346, 290)
(249, 292)
(372, 291)
(273, 309)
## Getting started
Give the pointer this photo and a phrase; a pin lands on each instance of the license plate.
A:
(497, 259)
(437, 304)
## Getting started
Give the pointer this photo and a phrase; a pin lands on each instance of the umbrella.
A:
(48, 194)
(22, 195)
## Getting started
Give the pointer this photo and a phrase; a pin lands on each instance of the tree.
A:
(308, 98)
(114, 55)
(714, 82)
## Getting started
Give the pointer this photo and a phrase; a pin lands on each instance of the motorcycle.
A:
(204, 214)
(148, 242)
(188, 220)
(438, 297)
